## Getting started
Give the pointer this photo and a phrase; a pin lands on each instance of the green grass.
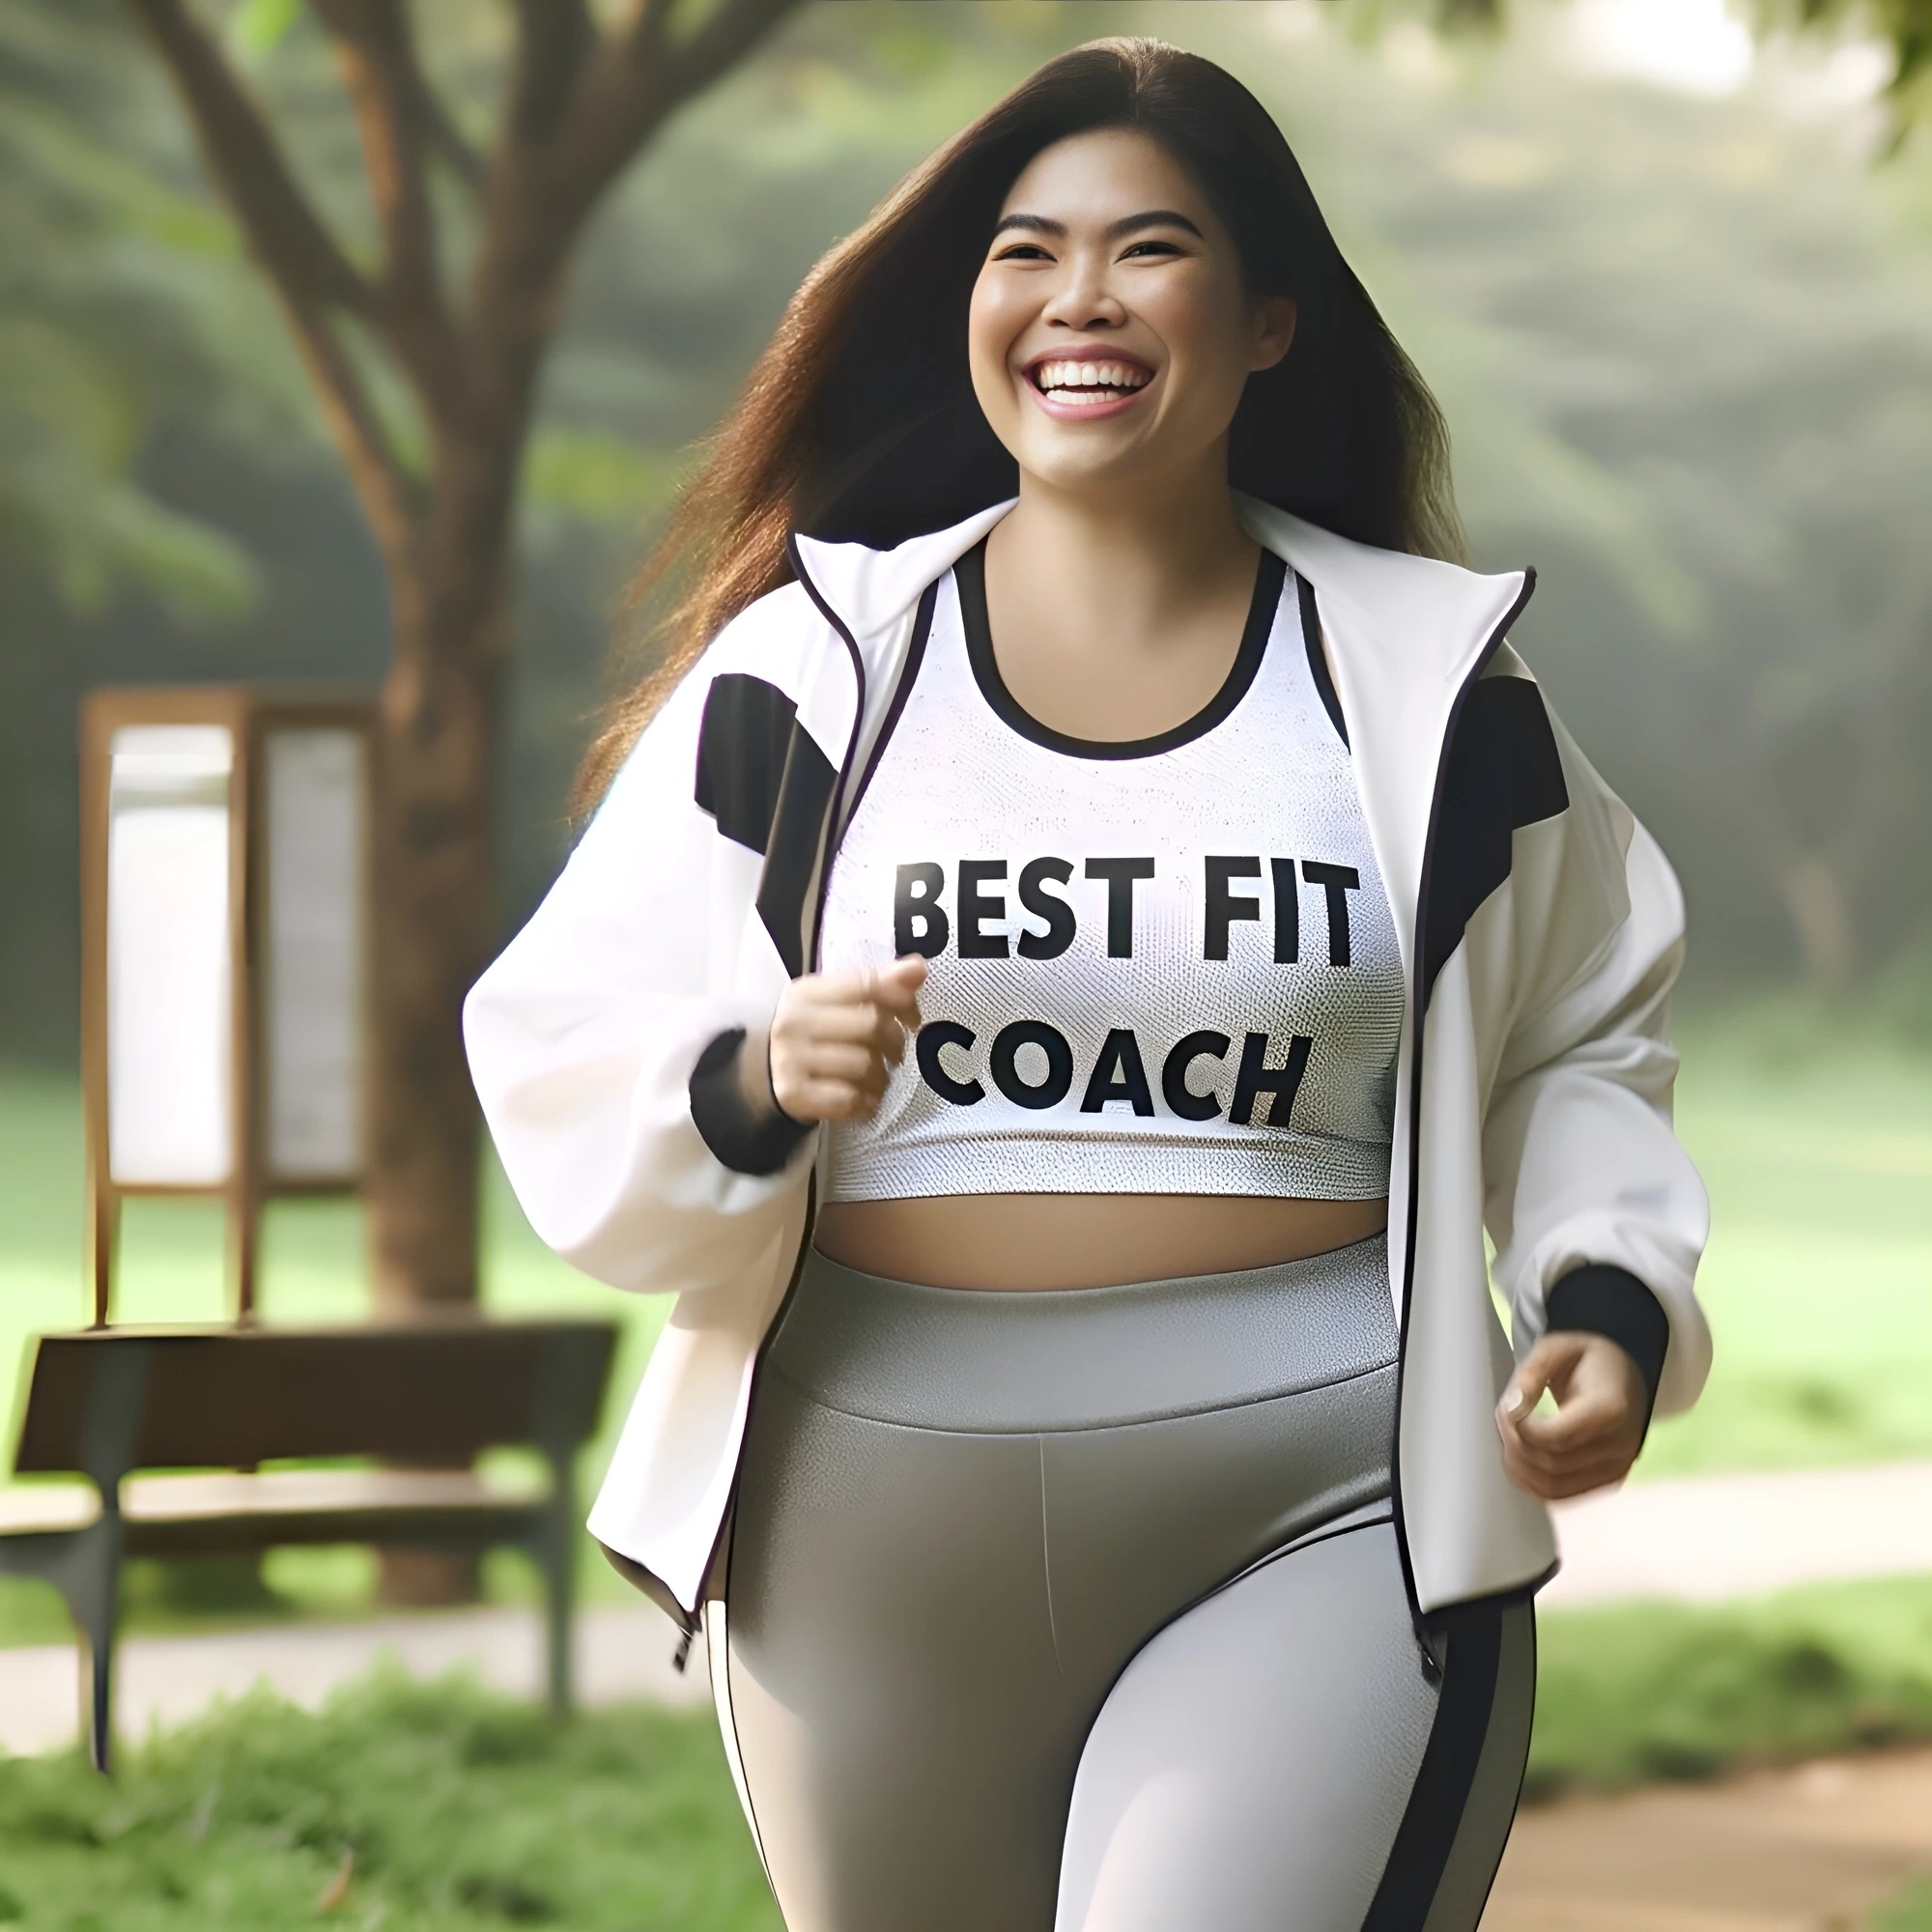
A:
(1638, 1693)
(1814, 1134)
(451, 1808)
(447, 1808)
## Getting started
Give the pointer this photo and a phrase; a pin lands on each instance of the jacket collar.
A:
(871, 589)
(1411, 614)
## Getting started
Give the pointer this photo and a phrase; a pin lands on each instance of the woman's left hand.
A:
(1597, 1428)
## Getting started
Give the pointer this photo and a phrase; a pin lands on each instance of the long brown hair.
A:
(859, 422)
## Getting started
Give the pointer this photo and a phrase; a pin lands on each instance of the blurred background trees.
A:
(422, 309)
(1682, 336)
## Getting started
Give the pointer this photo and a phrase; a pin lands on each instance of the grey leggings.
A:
(1083, 1612)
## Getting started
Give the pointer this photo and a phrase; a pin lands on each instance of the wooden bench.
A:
(104, 1403)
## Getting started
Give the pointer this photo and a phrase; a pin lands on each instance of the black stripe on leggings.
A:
(1434, 1815)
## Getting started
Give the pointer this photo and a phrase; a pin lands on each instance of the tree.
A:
(1906, 24)
(580, 100)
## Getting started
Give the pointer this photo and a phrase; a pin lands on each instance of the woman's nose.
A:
(1085, 301)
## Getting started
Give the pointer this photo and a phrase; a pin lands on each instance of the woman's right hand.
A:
(836, 1037)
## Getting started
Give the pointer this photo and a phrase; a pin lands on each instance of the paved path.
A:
(1808, 1850)
(1700, 1540)
(1714, 1537)
(623, 1654)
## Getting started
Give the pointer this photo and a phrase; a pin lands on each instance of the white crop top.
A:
(1157, 967)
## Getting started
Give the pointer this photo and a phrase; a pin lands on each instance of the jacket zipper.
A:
(810, 954)
(837, 805)
(1431, 1662)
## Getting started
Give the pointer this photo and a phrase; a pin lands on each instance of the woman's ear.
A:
(1274, 330)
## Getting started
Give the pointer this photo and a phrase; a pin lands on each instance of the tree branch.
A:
(306, 268)
(377, 53)
(441, 135)
(729, 32)
(641, 75)
(554, 40)
(300, 256)
(391, 498)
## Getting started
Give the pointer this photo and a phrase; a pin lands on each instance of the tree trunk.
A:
(438, 749)
(437, 746)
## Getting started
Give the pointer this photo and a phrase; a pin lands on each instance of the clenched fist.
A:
(836, 1037)
(1597, 1428)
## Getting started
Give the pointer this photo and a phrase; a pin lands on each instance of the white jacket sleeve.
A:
(1580, 1160)
(583, 1034)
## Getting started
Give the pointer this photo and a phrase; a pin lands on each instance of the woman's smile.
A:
(1088, 382)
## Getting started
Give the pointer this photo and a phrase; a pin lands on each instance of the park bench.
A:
(104, 1403)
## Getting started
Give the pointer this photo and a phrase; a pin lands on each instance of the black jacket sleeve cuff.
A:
(1606, 1300)
(745, 1142)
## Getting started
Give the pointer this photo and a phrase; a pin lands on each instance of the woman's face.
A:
(1110, 334)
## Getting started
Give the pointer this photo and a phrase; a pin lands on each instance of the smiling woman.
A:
(1114, 294)
(1060, 987)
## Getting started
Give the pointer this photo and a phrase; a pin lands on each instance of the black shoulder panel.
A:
(797, 836)
(1503, 772)
(768, 787)
(741, 755)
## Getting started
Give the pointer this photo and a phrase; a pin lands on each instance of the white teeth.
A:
(1067, 379)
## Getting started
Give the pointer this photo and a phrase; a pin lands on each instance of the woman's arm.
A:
(584, 1034)
(1598, 1215)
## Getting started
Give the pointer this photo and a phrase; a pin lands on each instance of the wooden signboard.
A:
(224, 953)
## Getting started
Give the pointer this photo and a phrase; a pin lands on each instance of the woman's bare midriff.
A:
(1082, 1241)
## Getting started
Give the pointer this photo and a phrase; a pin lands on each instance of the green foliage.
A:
(412, 1808)
(1638, 1693)
(258, 27)
(95, 329)
(598, 477)
(1904, 26)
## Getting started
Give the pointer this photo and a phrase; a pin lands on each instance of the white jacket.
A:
(1540, 927)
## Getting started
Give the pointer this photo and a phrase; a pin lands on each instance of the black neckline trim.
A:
(970, 574)
(1318, 659)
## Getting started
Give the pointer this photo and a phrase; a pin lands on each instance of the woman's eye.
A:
(1023, 251)
(1148, 248)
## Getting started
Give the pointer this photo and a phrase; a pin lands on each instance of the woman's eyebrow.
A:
(1033, 224)
(1151, 217)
